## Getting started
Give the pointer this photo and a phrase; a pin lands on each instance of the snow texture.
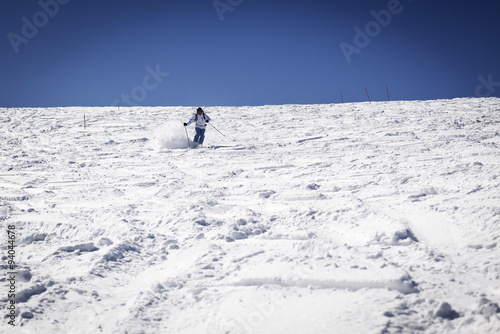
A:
(354, 218)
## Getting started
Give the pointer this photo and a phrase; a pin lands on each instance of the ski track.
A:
(352, 218)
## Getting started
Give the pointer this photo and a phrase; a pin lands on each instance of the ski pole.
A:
(217, 130)
(187, 136)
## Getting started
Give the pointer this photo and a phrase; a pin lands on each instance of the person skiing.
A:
(201, 120)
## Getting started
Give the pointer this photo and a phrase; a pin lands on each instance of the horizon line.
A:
(253, 105)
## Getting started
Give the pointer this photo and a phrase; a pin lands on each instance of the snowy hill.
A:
(354, 218)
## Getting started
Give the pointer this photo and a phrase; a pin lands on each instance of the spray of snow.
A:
(170, 135)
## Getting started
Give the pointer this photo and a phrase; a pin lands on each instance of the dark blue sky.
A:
(248, 52)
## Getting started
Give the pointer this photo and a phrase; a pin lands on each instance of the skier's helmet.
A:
(199, 110)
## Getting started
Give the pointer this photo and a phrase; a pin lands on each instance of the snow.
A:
(354, 218)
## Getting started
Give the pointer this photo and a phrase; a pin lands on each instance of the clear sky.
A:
(245, 52)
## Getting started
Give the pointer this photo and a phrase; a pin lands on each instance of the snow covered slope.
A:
(354, 218)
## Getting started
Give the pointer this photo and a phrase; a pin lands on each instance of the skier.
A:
(201, 120)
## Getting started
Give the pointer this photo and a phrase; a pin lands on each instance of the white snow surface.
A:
(350, 218)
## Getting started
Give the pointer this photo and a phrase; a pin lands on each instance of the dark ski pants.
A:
(200, 136)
